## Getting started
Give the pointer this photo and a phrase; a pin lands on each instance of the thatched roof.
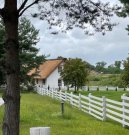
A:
(46, 68)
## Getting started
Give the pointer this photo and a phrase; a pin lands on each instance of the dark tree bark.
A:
(12, 93)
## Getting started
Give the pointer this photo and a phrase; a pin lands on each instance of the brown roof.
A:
(46, 68)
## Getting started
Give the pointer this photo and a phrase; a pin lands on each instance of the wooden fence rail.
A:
(99, 107)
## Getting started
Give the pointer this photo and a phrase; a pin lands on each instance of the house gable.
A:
(48, 72)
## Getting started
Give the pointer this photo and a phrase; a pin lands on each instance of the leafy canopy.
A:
(75, 73)
(125, 74)
(125, 10)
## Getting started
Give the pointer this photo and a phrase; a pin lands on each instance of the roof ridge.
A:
(57, 59)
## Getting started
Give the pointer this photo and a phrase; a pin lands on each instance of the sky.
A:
(109, 48)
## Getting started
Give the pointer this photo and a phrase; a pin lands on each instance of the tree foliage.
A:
(118, 64)
(100, 66)
(125, 74)
(111, 69)
(29, 58)
(88, 15)
(125, 10)
(75, 73)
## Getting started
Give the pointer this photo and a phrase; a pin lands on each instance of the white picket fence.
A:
(101, 108)
(103, 88)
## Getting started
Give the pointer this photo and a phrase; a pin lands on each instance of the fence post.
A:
(47, 92)
(88, 88)
(56, 94)
(60, 95)
(40, 131)
(65, 96)
(104, 107)
(79, 101)
(106, 88)
(89, 96)
(71, 96)
(40, 91)
(124, 89)
(97, 88)
(123, 108)
(43, 91)
(52, 93)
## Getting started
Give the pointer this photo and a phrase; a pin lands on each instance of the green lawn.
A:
(115, 95)
(39, 110)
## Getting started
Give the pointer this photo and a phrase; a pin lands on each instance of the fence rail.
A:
(103, 88)
(101, 108)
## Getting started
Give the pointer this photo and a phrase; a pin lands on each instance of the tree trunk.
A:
(12, 93)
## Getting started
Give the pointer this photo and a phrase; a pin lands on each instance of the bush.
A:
(96, 79)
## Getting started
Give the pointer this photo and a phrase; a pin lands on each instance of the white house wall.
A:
(52, 80)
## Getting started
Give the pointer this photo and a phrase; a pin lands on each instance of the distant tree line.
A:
(100, 67)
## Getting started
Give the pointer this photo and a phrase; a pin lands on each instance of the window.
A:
(43, 81)
(59, 69)
(59, 82)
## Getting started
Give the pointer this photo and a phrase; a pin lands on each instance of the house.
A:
(48, 74)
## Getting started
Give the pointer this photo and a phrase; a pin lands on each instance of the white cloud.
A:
(113, 46)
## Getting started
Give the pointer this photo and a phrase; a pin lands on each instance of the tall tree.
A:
(75, 73)
(76, 13)
(29, 58)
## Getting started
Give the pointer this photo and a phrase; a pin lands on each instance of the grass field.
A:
(115, 95)
(104, 80)
(39, 110)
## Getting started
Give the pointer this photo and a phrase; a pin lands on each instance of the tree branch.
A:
(36, 1)
(93, 3)
(23, 5)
